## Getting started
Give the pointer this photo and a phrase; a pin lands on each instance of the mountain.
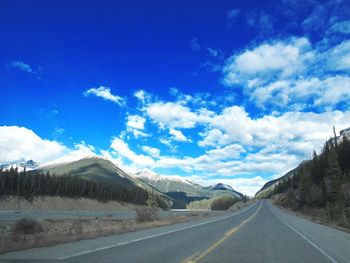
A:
(20, 165)
(184, 190)
(270, 185)
(96, 169)
(174, 188)
(166, 183)
(226, 189)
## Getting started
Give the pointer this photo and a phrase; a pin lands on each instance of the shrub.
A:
(27, 226)
(149, 212)
(162, 203)
(223, 203)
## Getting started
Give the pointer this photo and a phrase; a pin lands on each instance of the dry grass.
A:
(62, 203)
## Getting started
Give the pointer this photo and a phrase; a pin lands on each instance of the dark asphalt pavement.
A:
(259, 233)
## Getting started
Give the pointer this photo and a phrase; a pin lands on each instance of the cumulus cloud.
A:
(235, 125)
(105, 93)
(172, 115)
(154, 152)
(135, 124)
(80, 150)
(338, 57)
(267, 61)
(142, 95)
(291, 74)
(312, 92)
(178, 135)
(18, 143)
(122, 149)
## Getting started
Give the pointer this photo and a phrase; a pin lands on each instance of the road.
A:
(259, 233)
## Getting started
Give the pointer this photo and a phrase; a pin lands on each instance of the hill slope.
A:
(96, 169)
(184, 190)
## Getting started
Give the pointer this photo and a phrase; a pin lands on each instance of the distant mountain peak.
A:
(150, 175)
(20, 165)
(69, 158)
(221, 186)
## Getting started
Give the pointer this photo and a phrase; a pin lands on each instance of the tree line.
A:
(36, 183)
(323, 181)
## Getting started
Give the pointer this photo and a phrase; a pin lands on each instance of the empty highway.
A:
(259, 233)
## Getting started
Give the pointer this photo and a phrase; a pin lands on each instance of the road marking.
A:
(305, 238)
(89, 251)
(195, 258)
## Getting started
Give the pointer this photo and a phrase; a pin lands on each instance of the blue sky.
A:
(236, 92)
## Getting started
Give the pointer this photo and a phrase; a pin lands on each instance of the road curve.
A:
(259, 233)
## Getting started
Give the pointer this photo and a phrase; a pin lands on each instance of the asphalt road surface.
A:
(259, 233)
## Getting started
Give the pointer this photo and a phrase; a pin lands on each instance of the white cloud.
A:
(313, 92)
(338, 57)
(235, 125)
(267, 61)
(154, 152)
(171, 115)
(142, 95)
(291, 75)
(105, 93)
(227, 152)
(138, 160)
(81, 150)
(178, 135)
(135, 121)
(17, 143)
(135, 124)
(21, 66)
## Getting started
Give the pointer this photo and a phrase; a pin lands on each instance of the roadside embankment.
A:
(62, 203)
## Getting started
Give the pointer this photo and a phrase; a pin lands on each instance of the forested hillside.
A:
(36, 183)
(322, 182)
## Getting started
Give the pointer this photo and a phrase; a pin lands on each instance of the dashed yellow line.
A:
(198, 256)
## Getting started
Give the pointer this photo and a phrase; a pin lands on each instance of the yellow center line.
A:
(196, 257)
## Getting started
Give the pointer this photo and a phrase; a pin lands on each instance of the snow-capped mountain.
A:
(168, 183)
(69, 158)
(20, 165)
(225, 188)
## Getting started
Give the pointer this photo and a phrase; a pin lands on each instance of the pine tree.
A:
(334, 174)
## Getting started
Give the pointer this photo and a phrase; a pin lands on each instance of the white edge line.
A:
(89, 251)
(306, 239)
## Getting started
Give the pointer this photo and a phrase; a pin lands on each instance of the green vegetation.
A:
(322, 182)
(223, 202)
(35, 183)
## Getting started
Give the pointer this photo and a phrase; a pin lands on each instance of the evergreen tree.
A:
(334, 174)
